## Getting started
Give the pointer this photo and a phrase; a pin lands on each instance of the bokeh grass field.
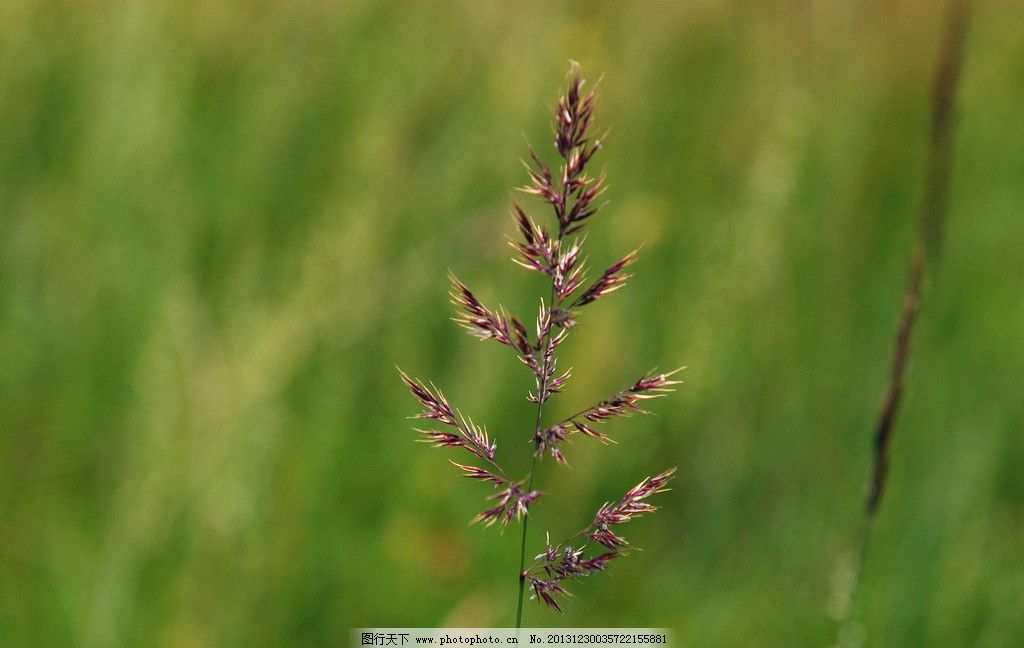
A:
(222, 225)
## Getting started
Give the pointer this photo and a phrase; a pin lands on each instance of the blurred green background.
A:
(223, 225)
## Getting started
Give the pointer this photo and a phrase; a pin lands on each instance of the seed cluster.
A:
(572, 194)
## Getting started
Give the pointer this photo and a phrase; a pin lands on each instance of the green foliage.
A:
(222, 226)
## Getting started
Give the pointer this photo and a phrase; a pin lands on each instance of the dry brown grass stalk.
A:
(925, 253)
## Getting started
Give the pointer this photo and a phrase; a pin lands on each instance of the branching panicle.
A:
(647, 387)
(558, 255)
(569, 561)
(650, 385)
(632, 503)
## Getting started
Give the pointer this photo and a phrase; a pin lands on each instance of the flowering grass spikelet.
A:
(556, 251)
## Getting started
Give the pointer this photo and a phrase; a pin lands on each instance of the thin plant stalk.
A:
(926, 247)
(529, 483)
